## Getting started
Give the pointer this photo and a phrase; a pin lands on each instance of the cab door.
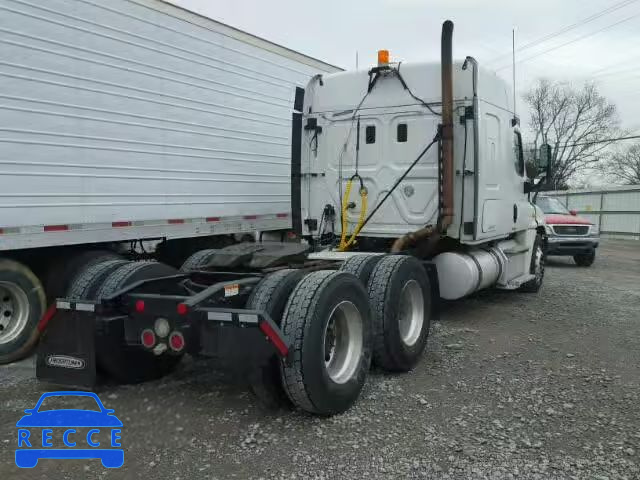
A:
(501, 204)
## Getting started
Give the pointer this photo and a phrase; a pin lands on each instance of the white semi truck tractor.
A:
(408, 186)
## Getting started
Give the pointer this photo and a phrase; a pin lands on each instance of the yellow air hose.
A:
(344, 243)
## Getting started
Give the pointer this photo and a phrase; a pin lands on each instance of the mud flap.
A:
(432, 273)
(66, 354)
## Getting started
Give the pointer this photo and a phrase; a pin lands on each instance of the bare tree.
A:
(624, 166)
(575, 123)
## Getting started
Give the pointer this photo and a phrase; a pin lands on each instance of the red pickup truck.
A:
(567, 233)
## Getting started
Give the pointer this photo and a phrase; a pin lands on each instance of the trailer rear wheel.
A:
(22, 303)
(400, 296)
(271, 296)
(327, 323)
(62, 272)
(86, 284)
(125, 363)
(361, 266)
(198, 260)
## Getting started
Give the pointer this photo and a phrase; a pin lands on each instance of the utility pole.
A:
(513, 50)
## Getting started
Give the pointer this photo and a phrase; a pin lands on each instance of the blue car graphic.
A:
(31, 448)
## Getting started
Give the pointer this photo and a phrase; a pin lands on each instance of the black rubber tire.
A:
(533, 286)
(124, 363)
(86, 284)
(271, 296)
(585, 259)
(25, 280)
(304, 374)
(62, 272)
(387, 280)
(361, 266)
(198, 260)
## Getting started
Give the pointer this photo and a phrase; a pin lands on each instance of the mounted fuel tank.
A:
(462, 273)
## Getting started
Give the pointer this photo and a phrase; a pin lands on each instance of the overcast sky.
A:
(333, 30)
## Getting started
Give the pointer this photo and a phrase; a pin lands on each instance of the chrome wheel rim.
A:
(342, 345)
(411, 317)
(14, 311)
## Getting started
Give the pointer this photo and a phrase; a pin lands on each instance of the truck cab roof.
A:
(339, 93)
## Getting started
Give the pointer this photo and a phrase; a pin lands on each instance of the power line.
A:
(596, 142)
(568, 28)
(573, 41)
(629, 58)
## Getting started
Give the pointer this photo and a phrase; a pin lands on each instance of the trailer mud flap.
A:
(66, 354)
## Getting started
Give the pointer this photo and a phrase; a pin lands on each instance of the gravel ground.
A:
(512, 386)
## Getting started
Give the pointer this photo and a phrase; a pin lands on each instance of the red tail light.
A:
(182, 309)
(176, 341)
(148, 338)
(139, 306)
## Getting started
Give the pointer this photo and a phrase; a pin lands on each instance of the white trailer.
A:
(126, 120)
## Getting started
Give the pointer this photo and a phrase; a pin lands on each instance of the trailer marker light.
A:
(148, 338)
(176, 341)
(139, 306)
(161, 327)
(182, 309)
(273, 336)
(56, 228)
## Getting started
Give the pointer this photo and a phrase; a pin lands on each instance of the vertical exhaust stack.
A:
(447, 126)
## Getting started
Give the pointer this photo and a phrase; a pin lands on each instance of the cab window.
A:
(518, 156)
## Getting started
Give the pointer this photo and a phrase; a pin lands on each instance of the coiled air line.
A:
(344, 243)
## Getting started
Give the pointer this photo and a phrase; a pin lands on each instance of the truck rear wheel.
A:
(22, 303)
(127, 363)
(400, 296)
(271, 296)
(361, 266)
(327, 323)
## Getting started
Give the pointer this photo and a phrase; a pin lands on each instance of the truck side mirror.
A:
(543, 162)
